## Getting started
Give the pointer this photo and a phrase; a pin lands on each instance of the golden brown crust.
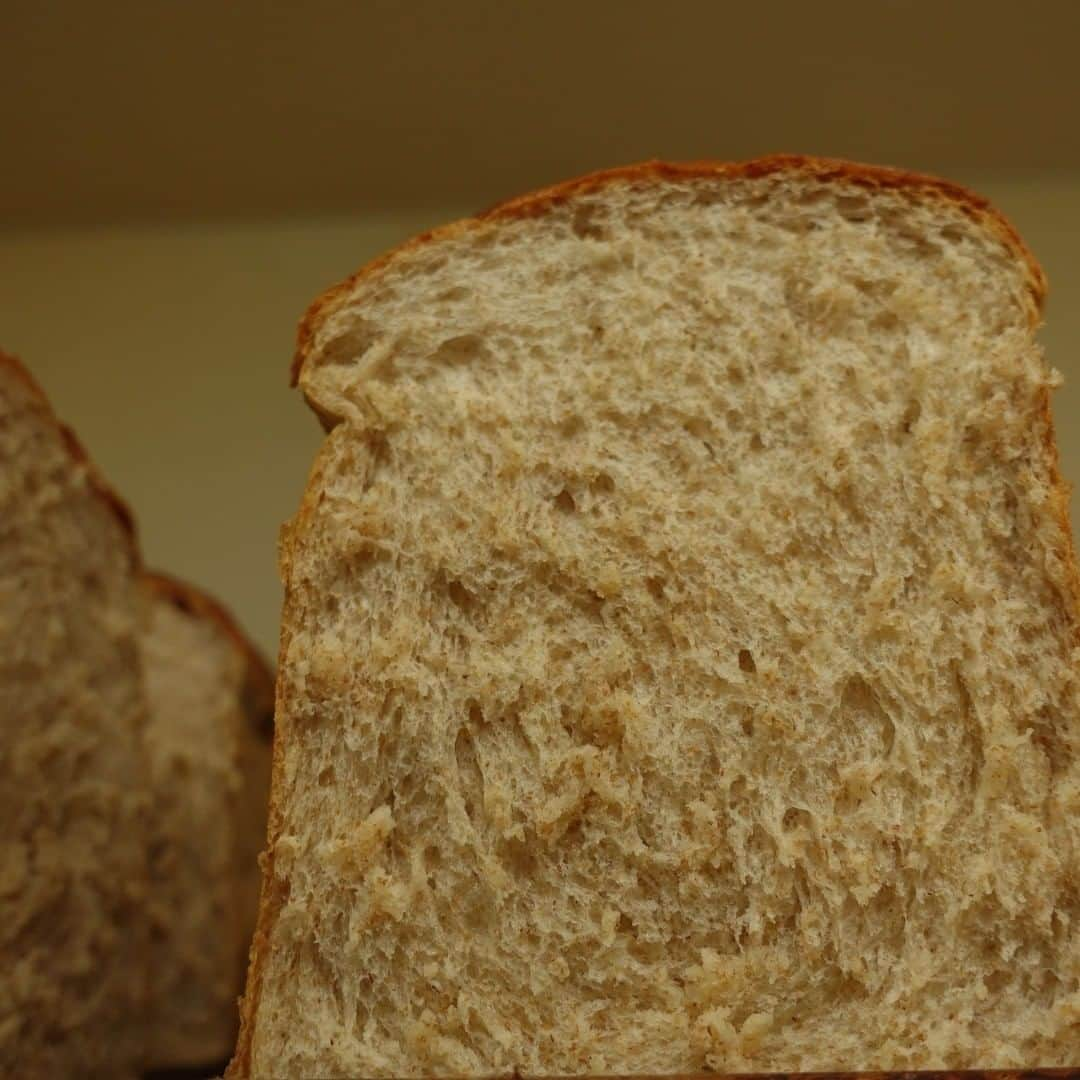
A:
(79, 456)
(827, 170)
(259, 679)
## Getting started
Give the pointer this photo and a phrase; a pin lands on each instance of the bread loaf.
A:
(679, 655)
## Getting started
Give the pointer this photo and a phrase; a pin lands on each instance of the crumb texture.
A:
(72, 796)
(679, 654)
(209, 774)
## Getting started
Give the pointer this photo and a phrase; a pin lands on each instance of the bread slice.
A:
(210, 699)
(73, 860)
(679, 657)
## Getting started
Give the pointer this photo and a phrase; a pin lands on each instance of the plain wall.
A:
(167, 349)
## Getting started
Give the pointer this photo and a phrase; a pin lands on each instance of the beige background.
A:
(179, 181)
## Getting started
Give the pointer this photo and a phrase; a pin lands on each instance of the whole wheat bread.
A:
(134, 768)
(73, 861)
(210, 698)
(679, 656)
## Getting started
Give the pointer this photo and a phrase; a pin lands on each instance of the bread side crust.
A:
(828, 170)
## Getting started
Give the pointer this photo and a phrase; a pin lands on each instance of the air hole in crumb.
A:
(853, 208)
(697, 427)
(326, 777)
(865, 713)
(470, 777)
(735, 373)
(734, 420)
(597, 331)
(952, 234)
(349, 346)
(919, 243)
(460, 595)
(476, 714)
(655, 585)
(756, 443)
(753, 197)
(746, 722)
(746, 660)
(519, 858)
(459, 350)
(588, 223)
(910, 417)
(800, 226)
(795, 818)
(571, 426)
(565, 502)
(602, 482)
(457, 292)
(885, 320)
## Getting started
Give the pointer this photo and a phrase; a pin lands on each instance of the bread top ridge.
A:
(830, 170)
(120, 509)
(259, 678)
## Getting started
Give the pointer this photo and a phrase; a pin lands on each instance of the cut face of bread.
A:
(679, 660)
(210, 701)
(72, 798)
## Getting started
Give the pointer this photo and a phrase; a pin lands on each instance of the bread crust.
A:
(826, 170)
(79, 456)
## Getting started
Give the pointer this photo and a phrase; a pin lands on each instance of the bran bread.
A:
(679, 656)
(73, 862)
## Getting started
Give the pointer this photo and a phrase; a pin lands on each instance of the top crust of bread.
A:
(832, 170)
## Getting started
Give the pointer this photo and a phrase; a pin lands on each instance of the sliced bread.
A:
(134, 768)
(210, 698)
(679, 655)
(73, 860)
